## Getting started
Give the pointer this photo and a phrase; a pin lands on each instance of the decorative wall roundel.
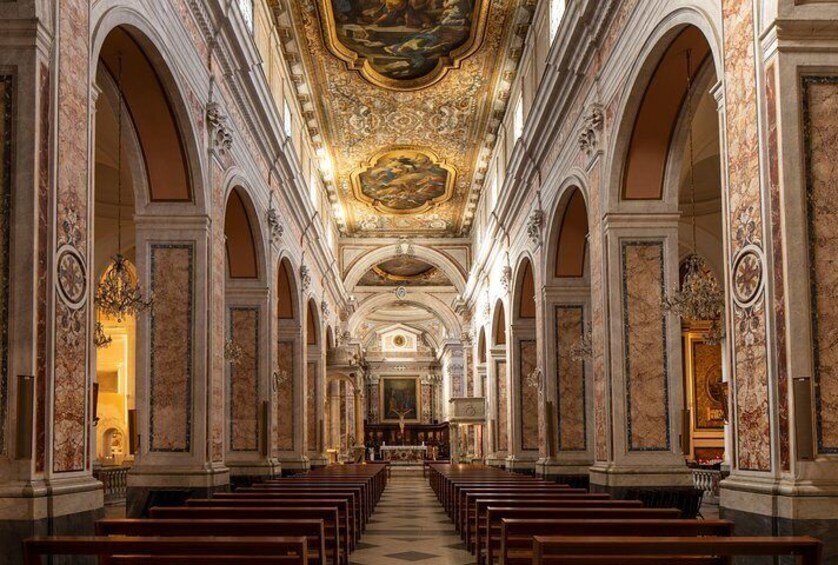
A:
(399, 341)
(71, 276)
(747, 275)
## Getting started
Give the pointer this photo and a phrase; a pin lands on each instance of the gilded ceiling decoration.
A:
(402, 44)
(404, 181)
(382, 76)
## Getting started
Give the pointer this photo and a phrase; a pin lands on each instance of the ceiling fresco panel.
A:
(438, 92)
(402, 44)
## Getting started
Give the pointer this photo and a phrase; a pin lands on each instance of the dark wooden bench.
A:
(593, 550)
(312, 530)
(494, 514)
(260, 490)
(516, 535)
(348, 526)
(475, 530)
(460, 504)
(185, 550)
(336, 547)
(468, 510)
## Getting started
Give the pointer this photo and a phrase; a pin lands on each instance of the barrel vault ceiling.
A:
(404, 99)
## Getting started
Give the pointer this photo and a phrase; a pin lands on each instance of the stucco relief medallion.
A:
(747, 275)
(71, 277)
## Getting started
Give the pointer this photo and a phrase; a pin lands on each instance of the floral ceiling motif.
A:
(385, 75)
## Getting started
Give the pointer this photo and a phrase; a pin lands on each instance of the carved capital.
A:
(534, 225)
(221, 136)
(592, 125)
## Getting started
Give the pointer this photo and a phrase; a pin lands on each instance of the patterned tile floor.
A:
(409, 526)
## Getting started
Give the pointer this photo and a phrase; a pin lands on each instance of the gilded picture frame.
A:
(397, 394)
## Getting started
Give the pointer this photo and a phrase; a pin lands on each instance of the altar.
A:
(403, 453)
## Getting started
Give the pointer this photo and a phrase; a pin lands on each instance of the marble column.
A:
(567, 383)
(644, 375)
(780, 195)
(524, 399)
(499, 405)
(249, 399)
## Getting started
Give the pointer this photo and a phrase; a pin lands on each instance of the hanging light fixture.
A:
(699, 298)
(118, 294)
(100, 338)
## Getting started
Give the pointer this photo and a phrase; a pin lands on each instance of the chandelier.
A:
(100, 338)
(699, 298)
(118, 294)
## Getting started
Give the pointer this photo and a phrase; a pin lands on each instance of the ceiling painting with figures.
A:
(404, 100)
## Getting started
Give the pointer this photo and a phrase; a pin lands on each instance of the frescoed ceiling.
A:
(404, 271)
(408, 95)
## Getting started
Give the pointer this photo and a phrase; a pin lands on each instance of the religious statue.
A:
(401, 414)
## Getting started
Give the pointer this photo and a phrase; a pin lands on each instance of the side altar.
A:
(435, 437)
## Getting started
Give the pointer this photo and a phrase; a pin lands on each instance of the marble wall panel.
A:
(6, 93)
(311, 406)
(528, 409)
(171, 348)
(750, 366)
(820, 112)
(243, 385)
(645, 356)
(469, 376)
(284, 413)
(70, 348)
(781, 345)
(502, 401)
(372, 403)
(570, 379)
(44, 145)
(427, 403)
(217, 275)
(707, 393)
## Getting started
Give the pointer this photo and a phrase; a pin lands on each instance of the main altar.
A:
(403, 453)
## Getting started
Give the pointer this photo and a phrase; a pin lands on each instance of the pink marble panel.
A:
(218, 373)
(528, 409)
(372, 403)
(170, 344)
(244, 380)
(644, 326)
(570, 327)
(750, 366)
(43, 225)
(469, 376)
(820, 105)
(70, 382)
(598, 319)
(284, 414)
(427, 405)
(780, 349)
(6, 141)
(502, 415)
(311, 406)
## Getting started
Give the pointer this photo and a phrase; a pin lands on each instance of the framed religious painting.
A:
(399, 399)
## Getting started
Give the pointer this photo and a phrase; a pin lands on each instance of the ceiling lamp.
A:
(100, 338)
(118, 294)
(700, 298)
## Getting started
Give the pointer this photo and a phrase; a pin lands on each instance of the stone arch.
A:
(499, 324)
(523, 292)
(287, 294)
(568, 250)
(243, 238)
(426, 301)
(152, 90)
(700, 27)
(431, 256)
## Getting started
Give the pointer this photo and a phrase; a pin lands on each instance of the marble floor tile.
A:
(410, 526)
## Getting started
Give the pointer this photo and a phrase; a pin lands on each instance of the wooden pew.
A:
(312, 530)
(346, 519)
(468, 510)
(336, 547)
(517, 534)
(278, 493)
(592, 550)
(475, 530)
(192, 550)
(358, 500)
(491, 520)
(463, 492)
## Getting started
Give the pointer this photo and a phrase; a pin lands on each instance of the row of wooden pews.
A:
(515, 519)
(313, 518)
